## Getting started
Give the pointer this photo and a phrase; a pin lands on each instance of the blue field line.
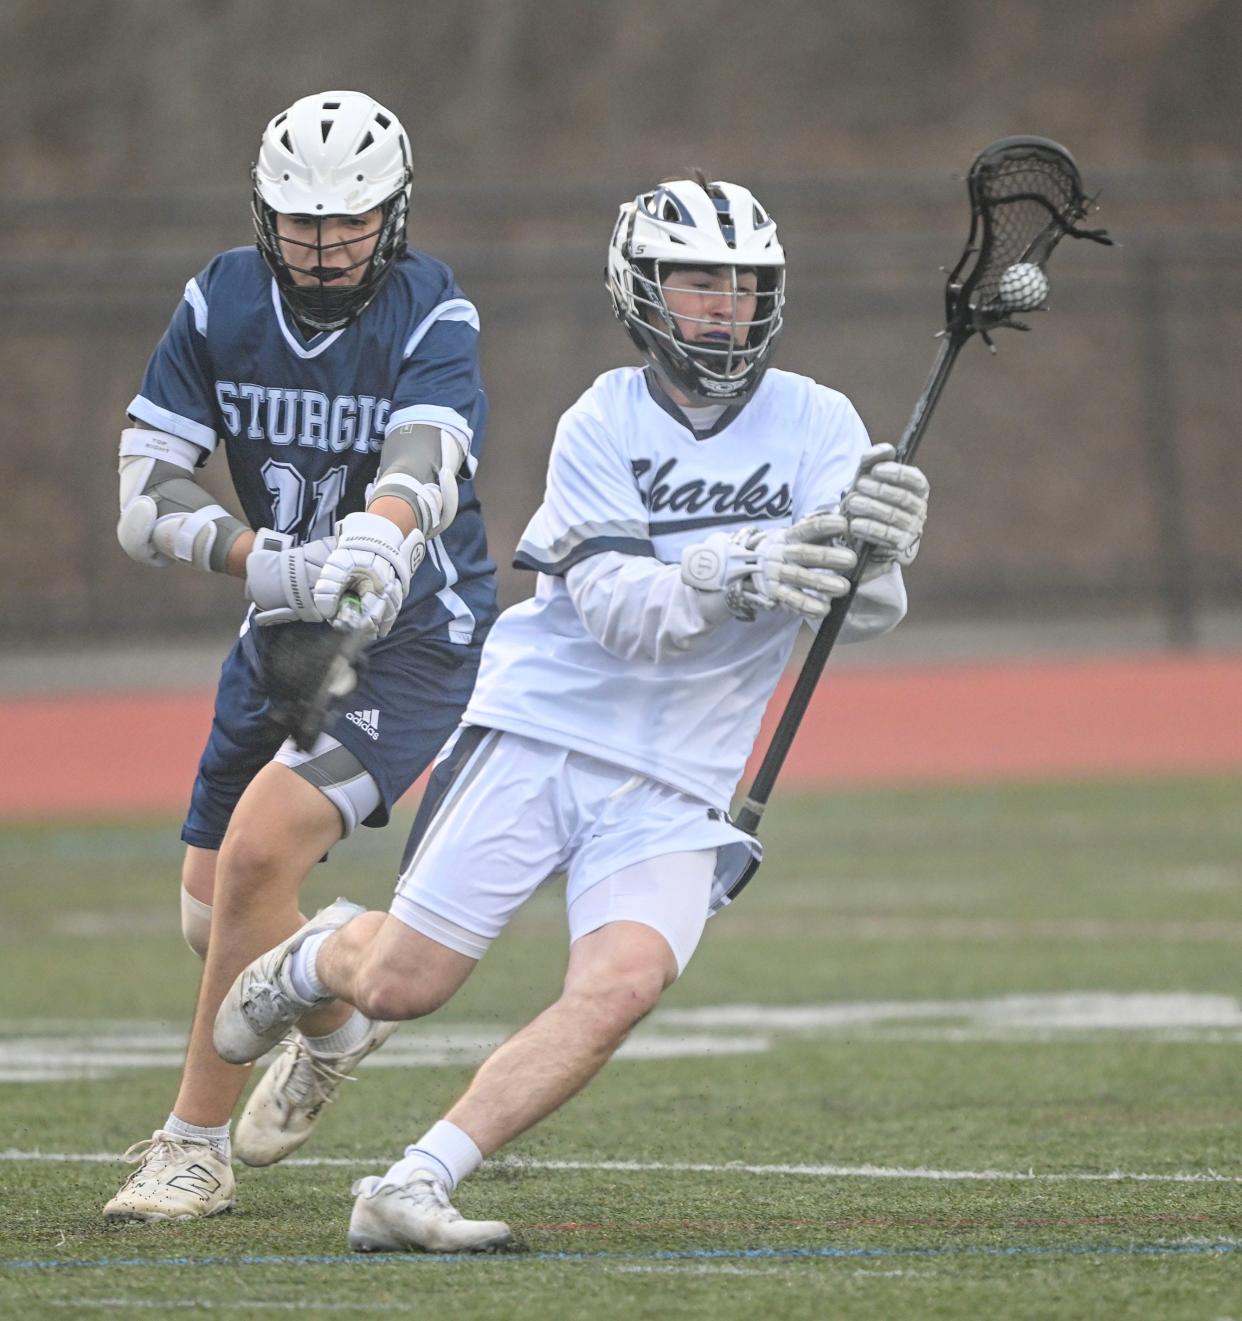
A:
(1190, 1248)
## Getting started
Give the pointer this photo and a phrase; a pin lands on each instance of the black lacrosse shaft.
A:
(752, 809)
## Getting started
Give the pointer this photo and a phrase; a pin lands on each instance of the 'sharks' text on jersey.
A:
(751, 498)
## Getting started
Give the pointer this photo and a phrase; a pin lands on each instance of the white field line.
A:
(1064, 1011)
(122, 923)
(32, 1059)
(59, 1050)
(695, 1167)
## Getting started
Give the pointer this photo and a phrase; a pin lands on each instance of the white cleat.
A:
(418, 1216)
(177, 1178)
(283, 1108)
(261, 1005)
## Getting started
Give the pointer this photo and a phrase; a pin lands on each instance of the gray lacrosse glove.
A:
(799, 568)
(887, 508)
(373, 559)
(280, 577)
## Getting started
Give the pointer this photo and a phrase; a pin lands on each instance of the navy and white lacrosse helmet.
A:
(688, 223)
(332, 154)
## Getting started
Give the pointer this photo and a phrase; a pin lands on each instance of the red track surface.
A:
(107, 754)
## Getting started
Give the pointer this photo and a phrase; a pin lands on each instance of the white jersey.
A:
(628, 477)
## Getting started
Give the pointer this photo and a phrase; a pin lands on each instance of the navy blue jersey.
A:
(302, 419)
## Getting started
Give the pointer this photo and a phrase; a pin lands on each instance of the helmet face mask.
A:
(711, 360)
(719, 231)
(328, 157)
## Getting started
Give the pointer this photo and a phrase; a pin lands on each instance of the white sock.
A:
(218, 1137)
(348, 1037)
(302, 973)
(446, 1150)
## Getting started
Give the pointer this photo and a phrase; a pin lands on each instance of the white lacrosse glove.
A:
(280, 577)
(799, 568)
(887, 507)
(372, 560)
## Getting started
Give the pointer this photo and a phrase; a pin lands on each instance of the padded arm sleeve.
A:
(166, 515)
(419, 465)
(636, 607)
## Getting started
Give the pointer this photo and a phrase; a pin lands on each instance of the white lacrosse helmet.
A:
(695, 222)
(332, 154)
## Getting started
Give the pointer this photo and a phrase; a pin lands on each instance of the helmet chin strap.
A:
(680, 394)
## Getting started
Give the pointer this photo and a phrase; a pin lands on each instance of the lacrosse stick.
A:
(308, 668)
(1025, 196)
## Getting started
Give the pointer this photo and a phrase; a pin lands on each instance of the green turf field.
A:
(959, 1053)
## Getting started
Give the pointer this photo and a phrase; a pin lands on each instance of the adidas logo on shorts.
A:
(367, 721)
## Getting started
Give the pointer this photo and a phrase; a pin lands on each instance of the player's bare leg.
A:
(616, 975)
(287, 1102)
(280, 829)
(385, 969)
(180, 1176)
(389, 970)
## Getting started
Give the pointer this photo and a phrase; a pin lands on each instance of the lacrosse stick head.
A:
(1026, 195)
(308, 668)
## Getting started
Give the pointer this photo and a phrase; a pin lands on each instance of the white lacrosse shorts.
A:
(518, 811)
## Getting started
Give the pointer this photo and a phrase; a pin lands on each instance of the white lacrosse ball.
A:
(1023, 287)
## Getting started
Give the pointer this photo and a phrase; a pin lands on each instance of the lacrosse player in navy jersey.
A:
(338, 371)
(697, 514)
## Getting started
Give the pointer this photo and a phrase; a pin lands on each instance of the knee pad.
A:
(195, 922)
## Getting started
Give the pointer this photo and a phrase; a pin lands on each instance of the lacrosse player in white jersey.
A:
(697, 514)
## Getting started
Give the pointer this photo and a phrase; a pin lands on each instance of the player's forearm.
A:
(396, 511)
(636, 608)
(235, 565)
